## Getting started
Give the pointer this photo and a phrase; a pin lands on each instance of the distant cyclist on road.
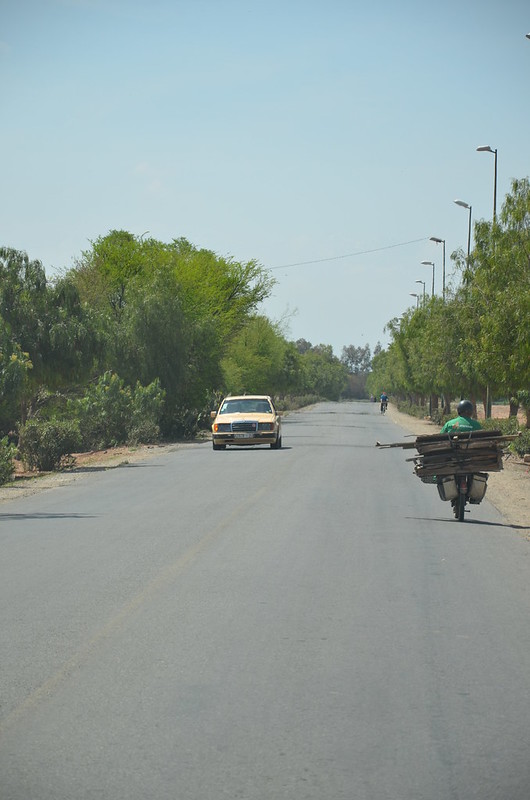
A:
(464, 422)
(384, 401)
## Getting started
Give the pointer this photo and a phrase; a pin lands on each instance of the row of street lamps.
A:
(485, 148)
(482, 149)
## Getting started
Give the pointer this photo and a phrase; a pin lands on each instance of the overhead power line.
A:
(351, 255)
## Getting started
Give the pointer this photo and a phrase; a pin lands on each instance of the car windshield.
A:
(246, 406)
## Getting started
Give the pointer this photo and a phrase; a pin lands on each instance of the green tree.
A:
(219, 288)
(169, 311)
(256, 359)
(14, 370)
(323, 373)
(24, 304)
(356, 359)
(498, 285)
(104, 273)
(48, 322)
(477, 339)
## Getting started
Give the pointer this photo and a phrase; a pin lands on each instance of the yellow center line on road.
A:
(162, 579)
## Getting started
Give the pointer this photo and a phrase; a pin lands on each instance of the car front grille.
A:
(244, 427)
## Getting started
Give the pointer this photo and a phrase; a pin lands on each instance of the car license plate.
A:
(243, 435)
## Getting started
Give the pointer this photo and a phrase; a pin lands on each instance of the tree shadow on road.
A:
(37, 515)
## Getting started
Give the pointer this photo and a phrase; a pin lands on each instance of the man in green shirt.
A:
(463, 423)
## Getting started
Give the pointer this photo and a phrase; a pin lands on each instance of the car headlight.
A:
(220, 427)
(266, 426)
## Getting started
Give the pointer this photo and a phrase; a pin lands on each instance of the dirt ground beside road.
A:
(508, 490)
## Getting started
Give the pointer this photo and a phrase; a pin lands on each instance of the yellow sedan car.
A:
(246, 420)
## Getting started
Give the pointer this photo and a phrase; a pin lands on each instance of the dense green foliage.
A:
(111, 412)
(48, 444)
(521, 444)
(136, 342)
(7, 454)
(358, 362)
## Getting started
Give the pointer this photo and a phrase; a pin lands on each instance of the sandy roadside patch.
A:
(508, 491)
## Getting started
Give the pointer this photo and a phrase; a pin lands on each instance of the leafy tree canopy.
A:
(357, 359)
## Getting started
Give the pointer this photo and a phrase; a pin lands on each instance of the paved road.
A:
(306, 623)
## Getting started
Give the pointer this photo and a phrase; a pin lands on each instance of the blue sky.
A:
(288, 131)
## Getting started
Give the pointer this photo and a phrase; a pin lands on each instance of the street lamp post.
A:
(413, 294)
(487, 149)
(430, 264)
(423, 291)
(469, 208)
(442, 242)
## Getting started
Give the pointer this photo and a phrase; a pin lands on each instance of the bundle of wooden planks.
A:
(456, 453)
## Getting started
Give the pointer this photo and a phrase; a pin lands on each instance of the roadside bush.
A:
(147, 405)
(412, 409)
(508, 425)
(48, 445)
(112, 413)
(519, 446)
(103, 413)
(7, 454)
(438, 417)
(184, 423)
(292, 402)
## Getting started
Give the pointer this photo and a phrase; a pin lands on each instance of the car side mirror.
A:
(213, 414)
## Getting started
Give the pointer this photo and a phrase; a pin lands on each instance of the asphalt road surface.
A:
(260, 624)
